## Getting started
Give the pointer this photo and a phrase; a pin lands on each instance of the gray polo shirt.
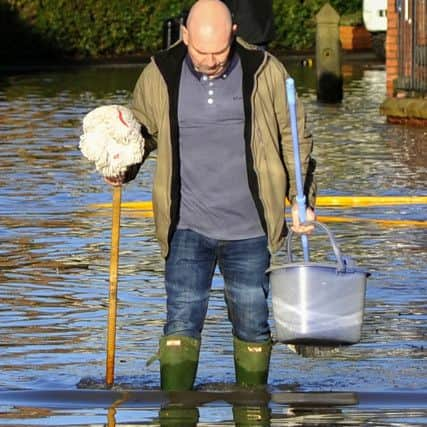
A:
(215, 196)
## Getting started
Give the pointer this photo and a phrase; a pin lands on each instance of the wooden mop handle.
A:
(112, 302)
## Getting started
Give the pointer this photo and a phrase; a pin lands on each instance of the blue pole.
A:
(291, 95)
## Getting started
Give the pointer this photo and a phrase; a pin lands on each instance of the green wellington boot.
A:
(175, 415)
(251, 362)
(251, 416)
(179, 357)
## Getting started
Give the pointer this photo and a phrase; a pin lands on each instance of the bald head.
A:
(209, 19)
(208, 35)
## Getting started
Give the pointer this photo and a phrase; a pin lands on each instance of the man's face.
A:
(209, 56)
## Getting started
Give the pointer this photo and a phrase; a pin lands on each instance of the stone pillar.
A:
(392, 46)
(328, 56)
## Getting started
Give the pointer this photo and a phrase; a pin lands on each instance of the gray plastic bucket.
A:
(319, 304)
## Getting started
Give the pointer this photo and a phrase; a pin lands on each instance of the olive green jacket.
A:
(267, 133)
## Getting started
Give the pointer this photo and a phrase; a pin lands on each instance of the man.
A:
(215, 110)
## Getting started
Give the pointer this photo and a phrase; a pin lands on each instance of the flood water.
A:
(54, 266)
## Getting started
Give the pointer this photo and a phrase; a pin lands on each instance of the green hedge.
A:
(94, 28)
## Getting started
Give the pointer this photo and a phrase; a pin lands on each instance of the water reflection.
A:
(54, 252)
(236, 407)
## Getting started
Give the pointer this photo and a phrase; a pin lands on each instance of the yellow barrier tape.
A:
(347, 201)
(384, 222)
(321, 201)
(134, 213)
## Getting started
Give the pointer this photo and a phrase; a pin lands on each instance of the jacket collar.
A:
(169, 62)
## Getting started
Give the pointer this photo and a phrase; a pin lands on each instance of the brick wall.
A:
(392, 42)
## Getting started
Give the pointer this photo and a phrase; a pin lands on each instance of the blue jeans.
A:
(189, 271)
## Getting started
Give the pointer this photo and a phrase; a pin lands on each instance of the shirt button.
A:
(211, 84)
(204, 78)
(210, 101)
(211, 92)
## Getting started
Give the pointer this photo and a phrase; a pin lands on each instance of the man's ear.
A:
(184, 34)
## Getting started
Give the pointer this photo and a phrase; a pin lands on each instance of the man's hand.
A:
(115, 181)
(128, 175)
(297, 227)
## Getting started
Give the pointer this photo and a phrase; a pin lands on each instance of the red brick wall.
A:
(392, 42)
(355, 38)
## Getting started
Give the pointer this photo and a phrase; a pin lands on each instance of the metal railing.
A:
(412, 68)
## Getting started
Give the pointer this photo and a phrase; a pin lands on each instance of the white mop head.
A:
(112, 139)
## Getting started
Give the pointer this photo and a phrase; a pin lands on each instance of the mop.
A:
(112, 139)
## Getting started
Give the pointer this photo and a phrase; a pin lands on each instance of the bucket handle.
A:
(341, 268)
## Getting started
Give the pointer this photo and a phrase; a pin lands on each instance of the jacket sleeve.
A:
(143, 111)
(308, 163)
(143, 108)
